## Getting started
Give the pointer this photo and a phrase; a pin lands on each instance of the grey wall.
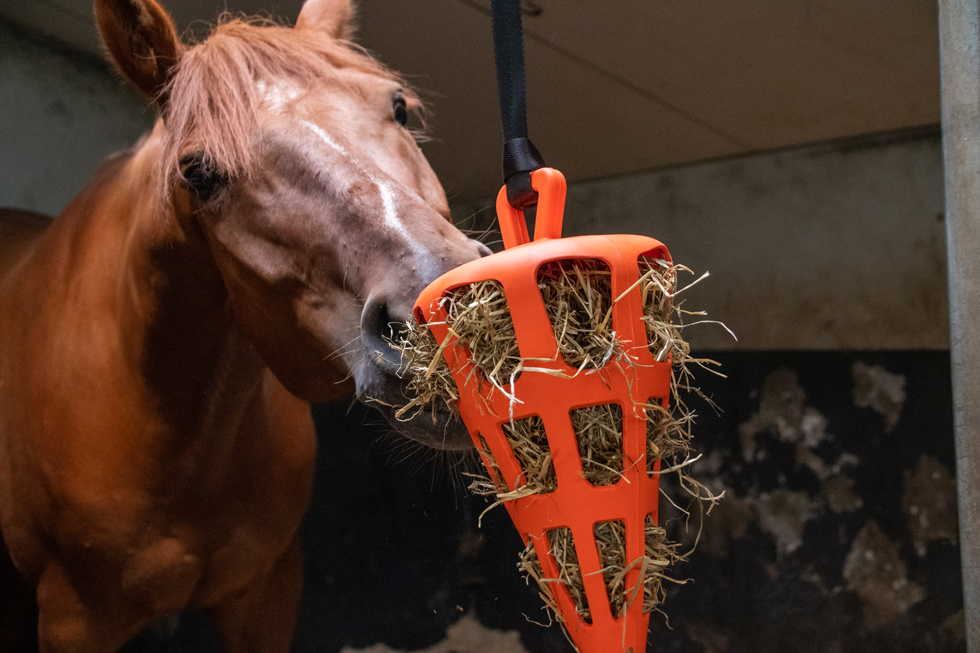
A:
(61, 115)
(836, 246)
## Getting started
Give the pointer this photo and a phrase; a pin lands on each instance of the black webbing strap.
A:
(520, 156)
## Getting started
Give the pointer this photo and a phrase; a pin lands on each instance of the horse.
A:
(162, 338)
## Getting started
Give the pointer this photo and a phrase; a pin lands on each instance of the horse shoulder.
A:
(291, 423)
(257, 512)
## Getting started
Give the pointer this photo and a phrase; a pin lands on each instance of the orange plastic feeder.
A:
(575, 503)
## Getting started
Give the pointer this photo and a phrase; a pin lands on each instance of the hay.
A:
(530, 444)
(579, 301)
(480, 318)
(610, 539)
(578, 297)
(599, 432)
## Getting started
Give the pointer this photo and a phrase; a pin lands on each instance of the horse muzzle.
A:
(382, 381)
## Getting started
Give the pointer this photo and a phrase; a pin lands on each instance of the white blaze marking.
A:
(277, 96)
(325, 137)
(429, 268)
(423, 257)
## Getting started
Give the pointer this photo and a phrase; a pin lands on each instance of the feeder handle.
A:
(549, 185)
(520, 156)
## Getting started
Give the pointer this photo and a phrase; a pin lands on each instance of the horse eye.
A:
(201, 175)
(401, 111)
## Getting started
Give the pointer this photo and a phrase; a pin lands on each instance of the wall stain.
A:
(929, 503)
(878, 389)
(467, 635)
(875, 571)
(783, 515)
(839, 493)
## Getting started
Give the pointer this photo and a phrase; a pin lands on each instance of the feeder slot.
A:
(497, 477)
(599, 432)
(659, 422)
(481, 318)
(569, 572)
(610, 543)
(529, 442)
(577, 294)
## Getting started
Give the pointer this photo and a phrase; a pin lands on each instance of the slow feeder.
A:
(550, 389)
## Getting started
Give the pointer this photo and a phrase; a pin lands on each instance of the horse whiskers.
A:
(340, 350)
(353, 369)
(405, 448)
(479, 234)
(353, 403)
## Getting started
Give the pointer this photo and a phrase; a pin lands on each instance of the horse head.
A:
(285, 151)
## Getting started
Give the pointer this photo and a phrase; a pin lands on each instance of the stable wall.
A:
(61, 115)
(834, 246)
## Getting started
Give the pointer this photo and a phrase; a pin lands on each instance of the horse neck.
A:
(170, 304)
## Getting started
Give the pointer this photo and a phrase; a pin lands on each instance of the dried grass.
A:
(599, 432)
(578, 297)
(610, 539)
(480, 318)
(530, 444)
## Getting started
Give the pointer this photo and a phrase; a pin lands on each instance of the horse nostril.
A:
(483, 250)
(378, 330)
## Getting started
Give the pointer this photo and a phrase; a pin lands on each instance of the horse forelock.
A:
(220, 84)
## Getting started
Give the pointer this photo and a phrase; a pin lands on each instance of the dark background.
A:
(394, 555)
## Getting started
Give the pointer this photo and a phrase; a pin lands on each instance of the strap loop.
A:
(520, 156)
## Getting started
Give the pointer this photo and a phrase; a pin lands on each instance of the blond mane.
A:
(213, 96)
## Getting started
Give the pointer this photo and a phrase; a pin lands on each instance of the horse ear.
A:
(335, 17)
(143, 43)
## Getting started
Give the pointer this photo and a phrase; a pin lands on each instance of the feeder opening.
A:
(478, 313)
(610, 543)
(599, 432)
(529, 442)
(498, 481)
(569, 572)
(578, 296)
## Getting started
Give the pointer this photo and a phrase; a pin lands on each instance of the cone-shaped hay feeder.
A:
(545, 388)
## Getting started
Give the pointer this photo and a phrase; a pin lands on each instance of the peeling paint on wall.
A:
(875, 571)
(814, 505)
(782, 406)
(878, 389)
(467, 635)
(839, 493)
(783, 514)
(929, 503)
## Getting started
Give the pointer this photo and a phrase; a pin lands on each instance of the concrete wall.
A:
(836, 246)
(61, 115)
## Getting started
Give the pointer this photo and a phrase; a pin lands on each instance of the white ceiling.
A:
(625, 85)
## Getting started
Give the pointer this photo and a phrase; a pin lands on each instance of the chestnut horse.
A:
(161, 339)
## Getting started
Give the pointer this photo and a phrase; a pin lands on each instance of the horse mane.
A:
(213, 97)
